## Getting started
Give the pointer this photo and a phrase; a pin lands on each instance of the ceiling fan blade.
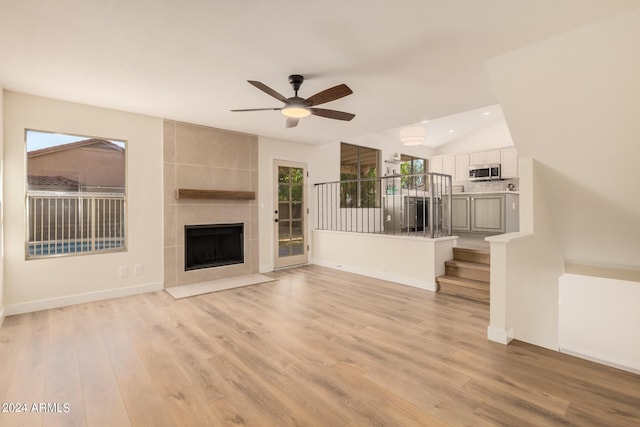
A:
(292, 122)
(258, 109)
(332, 114)
(328, 95)
(266, 89)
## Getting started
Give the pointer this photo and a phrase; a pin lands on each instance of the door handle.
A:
(276, 220)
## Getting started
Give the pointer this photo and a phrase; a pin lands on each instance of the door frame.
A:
(293, 260)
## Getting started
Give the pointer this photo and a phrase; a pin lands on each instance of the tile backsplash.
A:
(488, 186)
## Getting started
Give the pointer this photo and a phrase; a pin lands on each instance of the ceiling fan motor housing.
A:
(296, 80)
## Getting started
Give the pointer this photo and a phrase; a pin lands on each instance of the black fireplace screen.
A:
(213, 245)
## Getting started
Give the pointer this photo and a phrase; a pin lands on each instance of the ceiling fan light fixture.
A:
(296, 111)
(412, 135)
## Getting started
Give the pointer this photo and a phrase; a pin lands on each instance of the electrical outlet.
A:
(123, 271)
(137, 269)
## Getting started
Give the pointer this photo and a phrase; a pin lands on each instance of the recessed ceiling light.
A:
(452, 130)
(486, 113)
(424, 121)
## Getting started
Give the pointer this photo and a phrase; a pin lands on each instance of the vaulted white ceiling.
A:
(406, 61)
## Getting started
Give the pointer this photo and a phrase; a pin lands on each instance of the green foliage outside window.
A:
(359, 163)
(411, 166)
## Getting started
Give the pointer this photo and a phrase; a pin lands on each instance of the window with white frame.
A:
(76, 194)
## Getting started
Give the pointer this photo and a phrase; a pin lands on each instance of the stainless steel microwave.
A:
(484, 172)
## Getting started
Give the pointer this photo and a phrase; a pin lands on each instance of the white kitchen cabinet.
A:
(435, 165)
(449, 166)
(443, 164)
(457, 165)
(509, 163)
(484, 157)
(462, 168)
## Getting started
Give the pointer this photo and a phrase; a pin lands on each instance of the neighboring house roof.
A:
(92, 142)
(52, 183)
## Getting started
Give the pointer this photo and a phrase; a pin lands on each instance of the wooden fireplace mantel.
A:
(188, 193)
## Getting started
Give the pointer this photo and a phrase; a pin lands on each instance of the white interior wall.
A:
(588, 328)
(525, 267)
(375, 255)
(494, 135)
(51, 282)
(571, 103)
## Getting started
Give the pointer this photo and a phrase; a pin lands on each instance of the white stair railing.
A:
(74, 223)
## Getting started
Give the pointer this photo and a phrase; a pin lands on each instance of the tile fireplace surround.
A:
(198, 157)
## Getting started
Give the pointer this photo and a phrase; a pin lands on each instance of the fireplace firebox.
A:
(213, 245)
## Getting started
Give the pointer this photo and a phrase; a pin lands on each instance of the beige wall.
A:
(203, 158)
(43, 283)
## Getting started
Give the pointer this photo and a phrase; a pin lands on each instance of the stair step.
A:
(468, 270)
(467, 288)
(481, 256)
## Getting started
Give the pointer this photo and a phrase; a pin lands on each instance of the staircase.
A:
(467, 275)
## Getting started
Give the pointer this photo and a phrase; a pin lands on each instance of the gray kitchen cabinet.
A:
(486, 213)
(460, 213)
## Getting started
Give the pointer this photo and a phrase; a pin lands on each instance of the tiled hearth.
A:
(198, 157)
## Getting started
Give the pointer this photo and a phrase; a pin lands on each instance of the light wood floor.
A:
(316, 348)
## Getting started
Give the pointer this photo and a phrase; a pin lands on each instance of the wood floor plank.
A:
(103, 402)
(145, 406)
(27, 383)
(63, 387)
(171, 384)
(316, 347)
(12, 337)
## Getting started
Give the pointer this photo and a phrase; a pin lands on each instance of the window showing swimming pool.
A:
(75, 201)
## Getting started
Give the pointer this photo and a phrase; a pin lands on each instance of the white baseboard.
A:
(499, 335)
(45, 304)
(601, 359)
(2, 315)
(407, 281)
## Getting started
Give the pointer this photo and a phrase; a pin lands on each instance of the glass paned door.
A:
(290, 212)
